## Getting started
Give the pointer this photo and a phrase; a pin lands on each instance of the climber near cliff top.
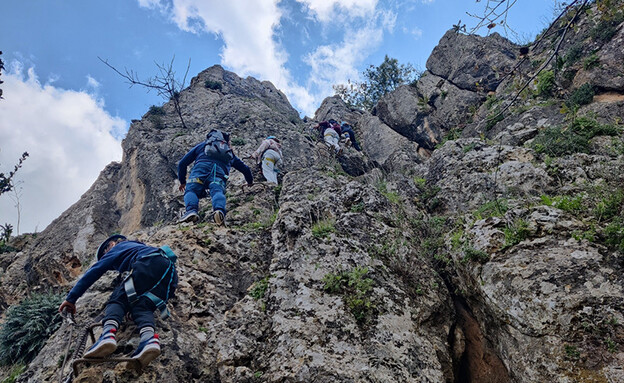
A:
(213, 160)
(152, 281)
(270, 154)
(346, 129)
(330, 132)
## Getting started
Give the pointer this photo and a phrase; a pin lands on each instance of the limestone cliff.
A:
(466, 243)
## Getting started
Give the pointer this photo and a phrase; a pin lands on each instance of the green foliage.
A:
(157, 110)
(6, 184)
(28, 326)
(583, 95)
(574, 54)
(560, 141)
(472, 254)
(571, 352)
(545, 83)
(378, 81)
(609, 206)
(355, 289)
(427, 198)
(591, 62)
(238, 141)
(614, 234)
(516, 232)
(566, 203)
(15, 372)
(392, 196)
(323, 228)
(214, 85)
(605, 30)
(357, 208)
(496, 208)
(260, 288)
(493, 119)
(5, 236)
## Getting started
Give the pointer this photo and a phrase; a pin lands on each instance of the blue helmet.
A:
(102, 249)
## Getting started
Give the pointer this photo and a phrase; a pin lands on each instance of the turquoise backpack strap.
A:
(160, 304)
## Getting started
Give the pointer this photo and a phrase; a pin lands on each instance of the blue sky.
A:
(70, 111)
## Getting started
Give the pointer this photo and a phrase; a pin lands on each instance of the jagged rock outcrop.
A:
(454, 248)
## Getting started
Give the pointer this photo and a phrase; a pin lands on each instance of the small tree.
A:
(379, 81)
(165, 83)
(6, 184)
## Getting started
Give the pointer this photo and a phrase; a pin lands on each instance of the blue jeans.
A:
(206, 175)
(351, 134)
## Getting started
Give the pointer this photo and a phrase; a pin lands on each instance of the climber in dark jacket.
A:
(211, 174)
(154, 279)
(346, 128)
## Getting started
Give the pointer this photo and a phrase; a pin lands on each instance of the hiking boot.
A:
(189, 216)
(147, 351)
(105, 346)
(218, 217)
(348, 142)
(339, 152)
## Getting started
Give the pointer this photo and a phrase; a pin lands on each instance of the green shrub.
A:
(516, 233)
(472, 254)
(581, 96)
(545, 83)
(496, 208)
(609, 206)
(214, 85)
(15, 372)
(605, 30)
(355, 289)
(574, 54)
(238, 141)
(323, 228)
(28, 326)
(591, 62)
(559, 141)
(493, 119)
(260, 288)
(157, 110)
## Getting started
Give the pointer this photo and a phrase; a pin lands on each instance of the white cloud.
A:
(415, 32)
(92, 83)
(337, 63)
(68, 136)
(248, 30)
(326, 10)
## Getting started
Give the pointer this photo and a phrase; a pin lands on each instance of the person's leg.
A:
(149, 344)
(116, 309)
(268, 166)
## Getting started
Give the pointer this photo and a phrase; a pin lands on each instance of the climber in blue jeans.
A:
(213, 160)
(152, 282)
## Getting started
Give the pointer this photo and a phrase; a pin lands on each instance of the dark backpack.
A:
(217, 147)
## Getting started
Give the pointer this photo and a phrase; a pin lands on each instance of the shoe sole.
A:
(147, 355)
(191, 218)
(219, 218)
(104, 350)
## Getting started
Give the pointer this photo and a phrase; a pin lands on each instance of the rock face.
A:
(456, 247)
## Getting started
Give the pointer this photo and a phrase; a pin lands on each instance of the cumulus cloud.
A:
(336, 63)
(326, 10)
(69, 137)
(248, 30)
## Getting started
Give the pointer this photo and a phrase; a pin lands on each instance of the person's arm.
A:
(91, 276)
(185, 162)
(260, 149)
(241, 167)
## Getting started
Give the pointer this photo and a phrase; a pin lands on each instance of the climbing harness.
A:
(160, 304)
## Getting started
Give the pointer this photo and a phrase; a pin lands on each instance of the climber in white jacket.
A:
(270, 154)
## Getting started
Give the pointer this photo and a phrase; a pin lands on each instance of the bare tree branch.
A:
(164, 83)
